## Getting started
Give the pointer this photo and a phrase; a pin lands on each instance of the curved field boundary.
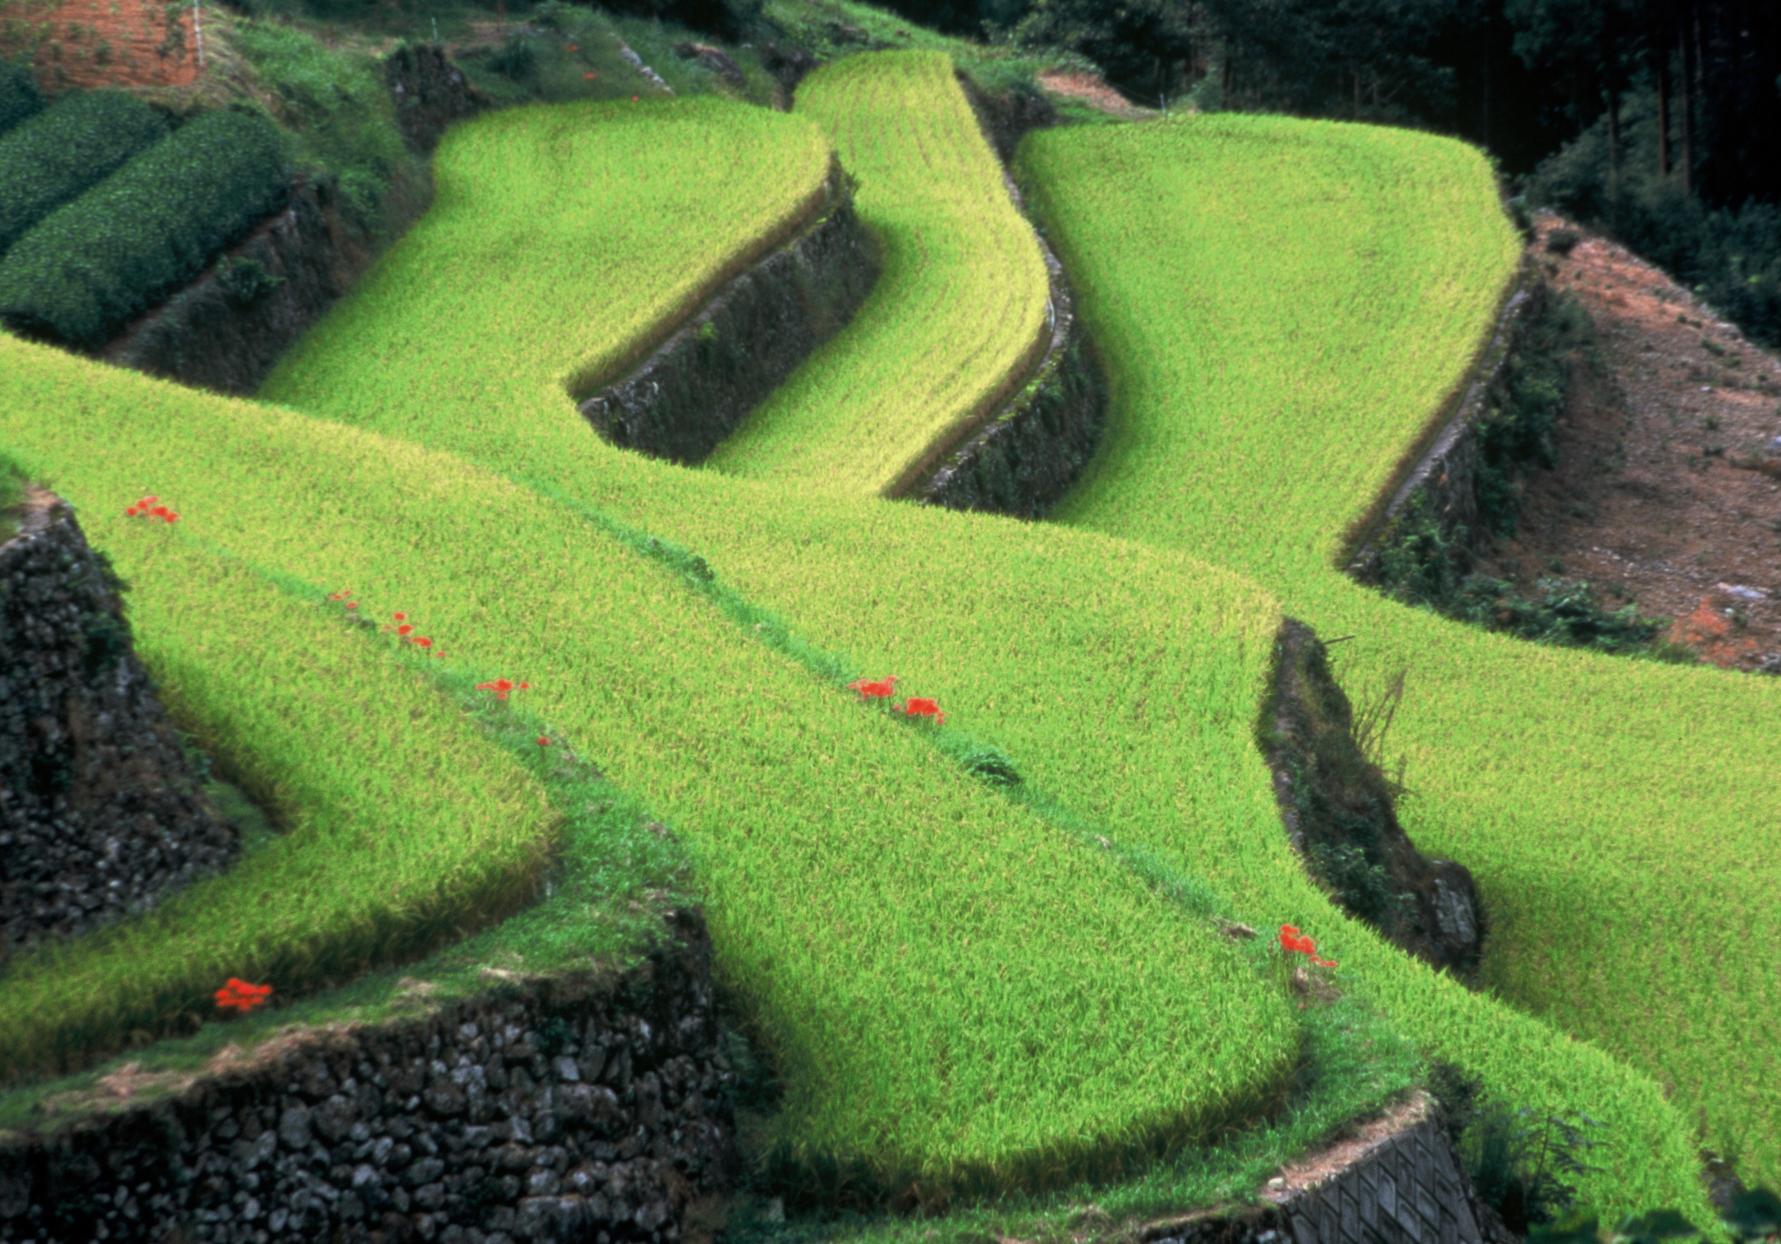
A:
(959, 319)
(895, 925)
(1452, 424)
(1123, 678)
(406, 827)
(1615, 813)
(702, 381)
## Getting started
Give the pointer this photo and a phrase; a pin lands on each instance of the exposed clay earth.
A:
(1091, 89)
(1667, 492)
(84, 43)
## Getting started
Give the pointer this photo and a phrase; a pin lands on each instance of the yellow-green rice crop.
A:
(1125, 679)
(1282, 305)
(957, 992)
(406, 827)
(875, 907)
(958, 315)
(638, 212)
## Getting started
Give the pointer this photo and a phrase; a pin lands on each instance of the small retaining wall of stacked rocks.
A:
(580, 1108)
(100, 812)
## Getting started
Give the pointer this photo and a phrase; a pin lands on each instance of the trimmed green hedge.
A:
(18, 95)
(75, 143)
(145, 230)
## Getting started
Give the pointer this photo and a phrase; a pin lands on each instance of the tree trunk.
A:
(1660, 54)
(1690, 71)
(1611, 89)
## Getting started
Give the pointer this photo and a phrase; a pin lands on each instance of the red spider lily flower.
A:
(918, 706)
(160, 511)
(238, 995)
(421, 641)
(404, 628)
(502, 687)
(543, 740)
(401, 617)
(352, 604)
(172, 517)
(525, 686)
(341, 595)
(1323, 963)
(130, 513)
(881, 689)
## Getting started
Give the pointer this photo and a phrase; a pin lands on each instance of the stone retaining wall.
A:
(1438, 481)
(100, 812)
(1339, 815)
(578, 1108)
(1397, 1180)
(1024, 460)
(697, 386)
(1026, 456)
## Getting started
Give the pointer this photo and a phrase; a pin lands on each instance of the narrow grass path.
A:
(958, 316)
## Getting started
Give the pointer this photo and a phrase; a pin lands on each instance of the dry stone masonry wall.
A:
(576, 1108)
(1439, 482)
(1396, 1181)
(100, 812)
(1025, 458)
(698, 386)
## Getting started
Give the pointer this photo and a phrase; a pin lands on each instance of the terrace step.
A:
(100, 811)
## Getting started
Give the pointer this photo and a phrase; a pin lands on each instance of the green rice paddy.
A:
(966, 986)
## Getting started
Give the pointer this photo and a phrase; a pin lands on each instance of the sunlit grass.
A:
(958, 315)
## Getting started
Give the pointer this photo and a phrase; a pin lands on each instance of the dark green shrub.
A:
(992, 765)
(18, 95)
(1523, 1165)
(74, 144)
(245, 281)
(145, 230)
(516, 59)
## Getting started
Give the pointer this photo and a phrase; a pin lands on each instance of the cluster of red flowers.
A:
(237, 995)
(401, 628)
(884, 688)
(151, 507)
(503, 687)
(1294, 942)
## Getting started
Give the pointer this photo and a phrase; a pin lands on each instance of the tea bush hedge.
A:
(145, 230)
(56, 154)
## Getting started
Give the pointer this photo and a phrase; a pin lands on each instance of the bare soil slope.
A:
(1667, 492)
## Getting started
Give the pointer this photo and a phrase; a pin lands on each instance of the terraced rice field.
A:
(897, 926)
(958, 315)
(1616, 813)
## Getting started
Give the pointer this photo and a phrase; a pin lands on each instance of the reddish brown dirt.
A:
(86, 43)
(1668, 489)
(1093, 90)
